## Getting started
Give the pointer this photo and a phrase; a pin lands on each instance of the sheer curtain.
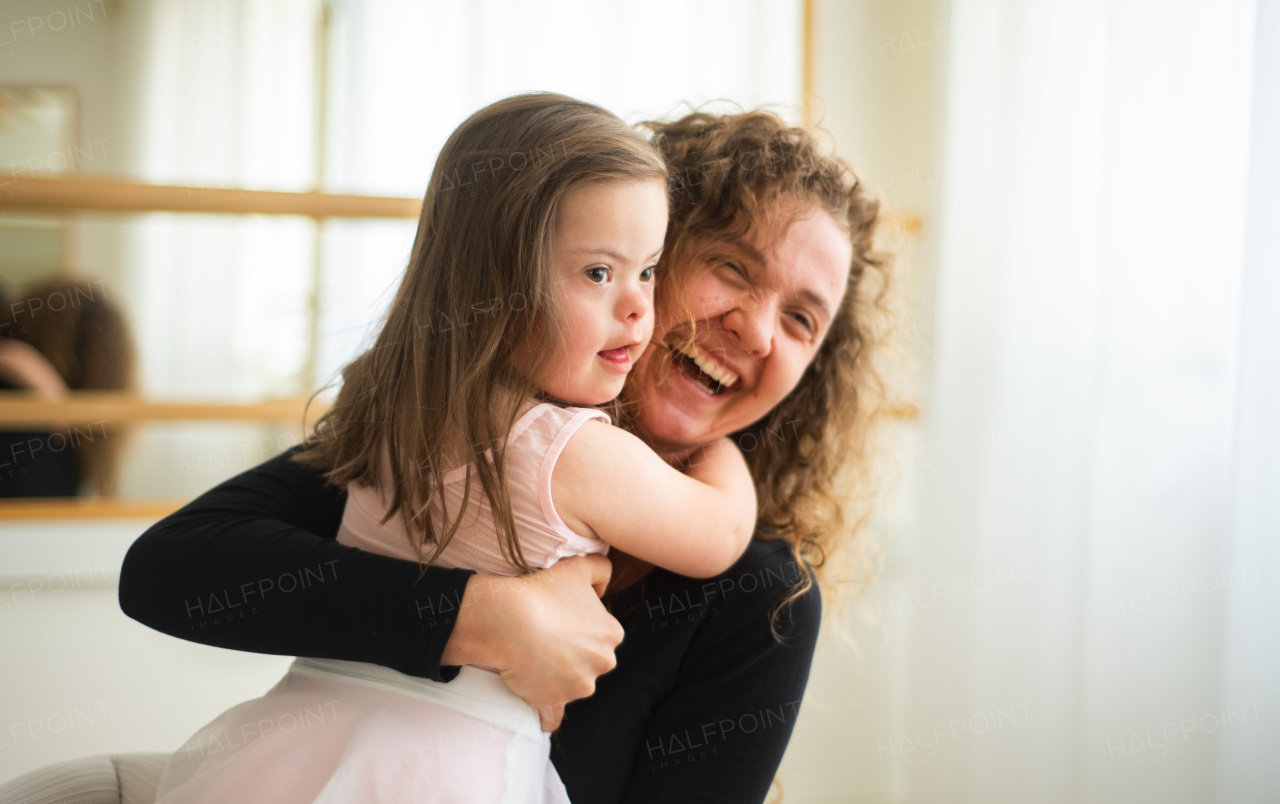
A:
(1106, 379)
(1251, 632)
(229, 102)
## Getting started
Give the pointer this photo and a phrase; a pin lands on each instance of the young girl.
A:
(529, 292)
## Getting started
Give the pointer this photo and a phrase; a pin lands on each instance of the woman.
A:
(769, 312)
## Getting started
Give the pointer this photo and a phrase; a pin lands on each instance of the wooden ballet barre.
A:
(45, 194)
(23, 411)
(32, 508)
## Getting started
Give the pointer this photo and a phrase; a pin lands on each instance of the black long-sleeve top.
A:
(701, 704)
(38, 463)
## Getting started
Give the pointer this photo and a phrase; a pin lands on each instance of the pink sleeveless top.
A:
(532, 449)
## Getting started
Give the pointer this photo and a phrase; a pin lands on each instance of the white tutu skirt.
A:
(334, 731)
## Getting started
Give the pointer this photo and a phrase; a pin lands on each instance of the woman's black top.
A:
(36, 463)
(701, 704)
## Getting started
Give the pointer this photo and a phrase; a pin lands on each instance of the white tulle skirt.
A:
(334, 731)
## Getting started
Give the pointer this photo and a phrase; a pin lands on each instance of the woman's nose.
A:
(752, 323)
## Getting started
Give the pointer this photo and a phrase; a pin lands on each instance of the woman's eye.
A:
(647, 274)
(802, 320)
(733, 275)
(598, 275)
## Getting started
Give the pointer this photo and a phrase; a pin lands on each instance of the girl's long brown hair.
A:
(811, 456)
(478, 288)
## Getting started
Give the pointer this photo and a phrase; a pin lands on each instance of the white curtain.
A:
(220, 300)
(1101, 526)
(1251, 632)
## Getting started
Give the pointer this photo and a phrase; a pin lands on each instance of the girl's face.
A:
(762, 306)
(608, 237)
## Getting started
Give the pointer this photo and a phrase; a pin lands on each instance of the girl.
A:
(529, 291)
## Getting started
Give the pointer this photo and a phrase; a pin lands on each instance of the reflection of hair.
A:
(812, 454)
(86, 338)
(478, 285)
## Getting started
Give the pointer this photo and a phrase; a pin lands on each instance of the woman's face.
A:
(762, 304)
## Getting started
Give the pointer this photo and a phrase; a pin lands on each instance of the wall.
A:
(879, 76)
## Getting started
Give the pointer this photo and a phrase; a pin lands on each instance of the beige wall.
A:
(78, 677)
(877, 78)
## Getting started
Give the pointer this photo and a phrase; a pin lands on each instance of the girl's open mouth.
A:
(620, 357)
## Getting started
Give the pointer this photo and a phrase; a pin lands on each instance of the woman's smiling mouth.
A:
(707, 375)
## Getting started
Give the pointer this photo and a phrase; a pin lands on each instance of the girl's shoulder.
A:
(546, 421)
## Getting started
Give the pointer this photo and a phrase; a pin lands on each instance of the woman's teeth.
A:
(723, 378)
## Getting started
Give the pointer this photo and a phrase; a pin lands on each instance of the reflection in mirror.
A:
(62, 337)
(54, 335)
(218, 306)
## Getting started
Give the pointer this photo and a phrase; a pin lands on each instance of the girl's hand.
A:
(546, 632)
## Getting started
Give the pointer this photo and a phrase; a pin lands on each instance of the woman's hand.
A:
(546, 632)
(23, 365)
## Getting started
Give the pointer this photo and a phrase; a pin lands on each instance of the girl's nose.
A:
(636, 302)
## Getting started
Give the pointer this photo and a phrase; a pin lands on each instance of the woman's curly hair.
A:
(813, 455)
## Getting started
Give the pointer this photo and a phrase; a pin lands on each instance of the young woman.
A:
(770, 279)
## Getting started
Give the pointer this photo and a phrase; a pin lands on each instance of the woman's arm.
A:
(610, 483)
(254, 565)
(546, 631)
(705, 698)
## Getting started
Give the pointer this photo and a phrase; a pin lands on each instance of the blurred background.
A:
(1078, 543)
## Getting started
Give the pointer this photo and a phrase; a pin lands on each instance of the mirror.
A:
(39, 134)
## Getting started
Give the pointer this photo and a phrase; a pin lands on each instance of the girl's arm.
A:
(609, 483)
(254, 565)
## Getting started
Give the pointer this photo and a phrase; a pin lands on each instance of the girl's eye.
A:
(647, 274)
(598, 275)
